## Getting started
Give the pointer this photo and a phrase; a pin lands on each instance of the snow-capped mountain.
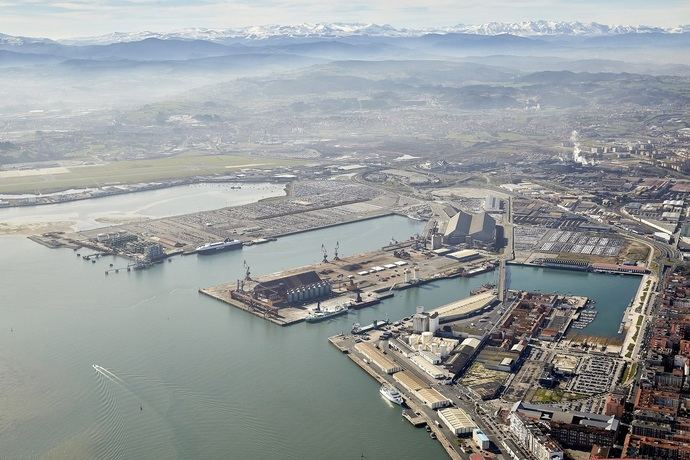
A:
(338, 30)
(320, 30)
(19, 41)
(541, 27)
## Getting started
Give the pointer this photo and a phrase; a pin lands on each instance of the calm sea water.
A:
(183, 199)
(184, 376)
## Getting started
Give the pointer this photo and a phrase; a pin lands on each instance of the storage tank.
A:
(434, 322)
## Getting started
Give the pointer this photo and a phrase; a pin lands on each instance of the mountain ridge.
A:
(340, 30)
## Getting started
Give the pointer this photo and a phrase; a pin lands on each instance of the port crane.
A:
(247, 272)
(337, 246)
(325, 253)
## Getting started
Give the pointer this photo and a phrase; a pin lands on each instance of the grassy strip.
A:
(133, 171)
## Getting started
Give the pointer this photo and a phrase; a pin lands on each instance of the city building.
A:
(572, 430)
(534, 438)
(480, 439)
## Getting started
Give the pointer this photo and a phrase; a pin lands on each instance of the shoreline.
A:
(144, 187)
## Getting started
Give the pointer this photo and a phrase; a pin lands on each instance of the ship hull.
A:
(395, 400)
(316, 319)
(215, 250)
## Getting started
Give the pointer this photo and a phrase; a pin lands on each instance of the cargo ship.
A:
(218, 246)
(320, 315)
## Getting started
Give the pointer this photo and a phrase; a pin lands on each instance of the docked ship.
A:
(320, 315)
(218, 246)
(391, 393)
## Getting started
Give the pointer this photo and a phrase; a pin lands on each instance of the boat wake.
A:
(108, 374)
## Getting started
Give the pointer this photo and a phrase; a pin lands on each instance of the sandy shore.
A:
(34, 228)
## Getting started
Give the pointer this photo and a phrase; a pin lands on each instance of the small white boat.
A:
(391, 394)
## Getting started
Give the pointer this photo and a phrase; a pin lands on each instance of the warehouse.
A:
(432, 398)
(298, 288)
(409, 382)
(378, 358)
(434, 371)
(466, 307)
(457, 421)
(464, 255)
(468, 228)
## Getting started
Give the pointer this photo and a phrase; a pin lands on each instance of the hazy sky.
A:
(72, 18)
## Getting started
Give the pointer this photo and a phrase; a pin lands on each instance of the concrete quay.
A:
(443, 435)
(373, 275)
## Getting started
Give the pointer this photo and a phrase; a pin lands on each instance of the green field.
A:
(546, 396)
(133, 171)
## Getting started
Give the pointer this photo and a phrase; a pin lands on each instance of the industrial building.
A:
(470, 228)
(154, 252)
(464, 255)
(466, 307)
(409, 381)
(432, 370)
(425, 322)
(432, 398)
(378, 358)
(457, 421)
(292, 289)
(493, 204)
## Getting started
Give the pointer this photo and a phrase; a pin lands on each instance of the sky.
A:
(79, 18)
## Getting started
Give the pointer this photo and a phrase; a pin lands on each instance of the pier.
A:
(357, 281)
